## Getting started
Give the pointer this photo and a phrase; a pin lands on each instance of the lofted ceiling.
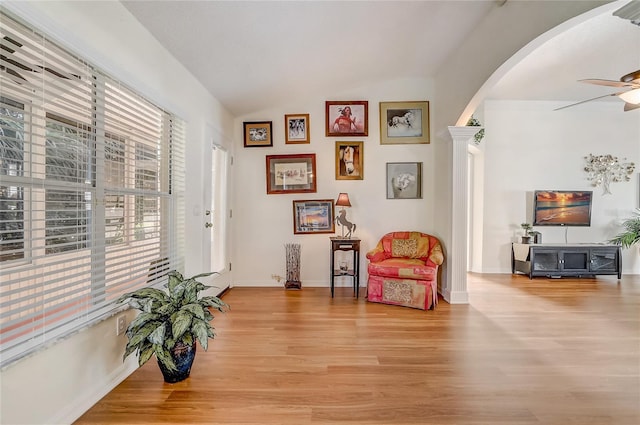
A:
(252, 55)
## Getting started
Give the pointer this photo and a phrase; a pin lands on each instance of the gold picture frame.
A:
(296, 129)
(349, 160)
(404, 122)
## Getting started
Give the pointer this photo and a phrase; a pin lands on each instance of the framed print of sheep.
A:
(404, 122)
(404, 180)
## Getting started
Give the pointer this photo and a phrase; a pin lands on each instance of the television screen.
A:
(562, 208)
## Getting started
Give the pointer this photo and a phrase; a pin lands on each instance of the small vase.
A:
(526, 239)
(183, 356)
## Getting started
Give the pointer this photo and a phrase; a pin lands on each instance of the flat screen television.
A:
(562, 208)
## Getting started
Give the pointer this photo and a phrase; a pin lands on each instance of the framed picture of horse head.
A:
(404, 122)
(349, 161)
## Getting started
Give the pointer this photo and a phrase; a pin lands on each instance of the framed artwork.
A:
(257, 133)
(291, 173)
(296, 128)
(350, 118)
(404, 180)
(315, 216)
(404, 122)
(349, 161)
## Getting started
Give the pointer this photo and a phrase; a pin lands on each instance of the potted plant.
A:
(170, 322)
(631, 233)
(526, 227)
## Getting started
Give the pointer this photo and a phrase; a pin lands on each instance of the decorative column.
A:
(455, 291)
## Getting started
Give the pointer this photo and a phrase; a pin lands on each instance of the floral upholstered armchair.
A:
(403, 270)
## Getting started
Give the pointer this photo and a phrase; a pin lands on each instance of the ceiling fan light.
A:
(631, 96)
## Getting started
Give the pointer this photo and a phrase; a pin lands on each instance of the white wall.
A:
(264, 223)
(58, 384)
(529, 146)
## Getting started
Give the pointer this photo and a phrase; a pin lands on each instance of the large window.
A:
(91, 191)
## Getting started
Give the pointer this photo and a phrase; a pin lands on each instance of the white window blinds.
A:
(91, 191)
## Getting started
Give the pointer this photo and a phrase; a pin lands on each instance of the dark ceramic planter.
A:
(183, 356)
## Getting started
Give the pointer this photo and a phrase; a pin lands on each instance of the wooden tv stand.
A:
(560, 260)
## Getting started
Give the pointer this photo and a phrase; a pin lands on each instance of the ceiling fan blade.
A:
(609, 83)
(630, 106)
(585, 101)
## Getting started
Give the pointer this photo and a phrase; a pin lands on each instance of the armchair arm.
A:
(377, 254)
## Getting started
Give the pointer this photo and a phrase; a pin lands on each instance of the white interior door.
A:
(217, 212)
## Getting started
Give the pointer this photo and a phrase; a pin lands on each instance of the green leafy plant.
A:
(527, 228)
(170, 318)
(631, 233)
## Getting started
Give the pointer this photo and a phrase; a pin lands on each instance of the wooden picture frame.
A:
(347, 118)
(296, 129)
(314, 216)
(257, 134)
(404, 180)
(404, 123)
(291, 173)
(349, 160)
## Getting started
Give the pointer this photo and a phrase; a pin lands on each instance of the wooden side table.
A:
(346, 244)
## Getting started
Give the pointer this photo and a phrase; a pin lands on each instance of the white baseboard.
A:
(70, 413)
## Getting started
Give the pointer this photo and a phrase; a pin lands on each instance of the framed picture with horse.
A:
(349, 160)
(296, 129)
(404, 122)
(314, 216)
(294, 173)
(347, 118)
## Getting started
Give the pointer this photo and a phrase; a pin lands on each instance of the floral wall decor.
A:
(606, 169)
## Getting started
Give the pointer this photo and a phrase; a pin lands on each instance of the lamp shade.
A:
(343, 200)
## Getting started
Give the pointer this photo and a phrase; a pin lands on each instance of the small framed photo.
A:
(404, 122)
(315, 216)
(291, 173)
(257, 133)
(404, 180)
(296, 127)
(350, 118)
(349, 161)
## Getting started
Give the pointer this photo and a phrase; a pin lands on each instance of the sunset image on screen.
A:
(563, 208)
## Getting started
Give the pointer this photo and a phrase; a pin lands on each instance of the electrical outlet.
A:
(121, 324)
(276, 277)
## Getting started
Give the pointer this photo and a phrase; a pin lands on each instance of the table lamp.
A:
(343, 201)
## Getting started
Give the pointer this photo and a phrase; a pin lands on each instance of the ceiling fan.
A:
(630, 97)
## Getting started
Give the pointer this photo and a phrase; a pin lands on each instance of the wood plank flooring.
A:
(523, 352)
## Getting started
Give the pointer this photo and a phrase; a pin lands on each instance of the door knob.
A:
(207, 225)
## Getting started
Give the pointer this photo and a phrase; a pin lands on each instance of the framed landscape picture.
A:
(349, 161)
(257, 133)
(404, 122)
(315, 216)
(349, 118)
(404, 180)
(291, 173)
(296, 128)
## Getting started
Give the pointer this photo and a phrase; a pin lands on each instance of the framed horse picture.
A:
(348, 118)
(349, 160)
(294, 173)
(296, 129)
(404, 122)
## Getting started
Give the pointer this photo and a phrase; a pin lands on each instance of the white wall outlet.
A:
(121, 324)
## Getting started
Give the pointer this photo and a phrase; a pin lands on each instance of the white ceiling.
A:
(254, 55)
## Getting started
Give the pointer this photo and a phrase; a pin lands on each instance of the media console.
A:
(558, 260)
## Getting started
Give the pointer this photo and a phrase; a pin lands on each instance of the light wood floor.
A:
(540, 351)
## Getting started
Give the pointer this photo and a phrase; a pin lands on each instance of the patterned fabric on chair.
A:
(403, 270)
